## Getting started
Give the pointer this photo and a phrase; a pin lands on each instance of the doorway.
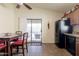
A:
(34, 28)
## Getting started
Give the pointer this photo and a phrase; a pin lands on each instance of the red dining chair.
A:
(18, 33)
(20, 42)
(3, 47)
(2, 41)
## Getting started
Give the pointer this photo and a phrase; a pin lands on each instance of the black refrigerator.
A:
(61, 27)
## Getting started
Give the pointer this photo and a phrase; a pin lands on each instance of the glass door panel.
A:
(29, 26)
(36, 30)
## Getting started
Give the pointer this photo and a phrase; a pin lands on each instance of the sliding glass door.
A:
(34, 28)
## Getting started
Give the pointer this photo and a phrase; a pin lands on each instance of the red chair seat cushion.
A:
(18, 42)
(2, 41)
(2, 46)
(15, 39)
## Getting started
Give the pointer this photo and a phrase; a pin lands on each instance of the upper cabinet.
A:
(74, 17)
(73, 14)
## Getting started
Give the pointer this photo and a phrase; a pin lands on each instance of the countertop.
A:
(74, 35)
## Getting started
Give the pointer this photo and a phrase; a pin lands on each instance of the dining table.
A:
(7, 39)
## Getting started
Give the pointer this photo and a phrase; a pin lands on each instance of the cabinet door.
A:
(77, 49)
(71, 16)
(76, 17)
(70, 44)
(77, 46)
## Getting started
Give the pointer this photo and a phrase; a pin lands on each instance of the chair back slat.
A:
(18, 32)
(25, 37)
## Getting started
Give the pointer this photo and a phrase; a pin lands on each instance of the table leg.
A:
(8, 45)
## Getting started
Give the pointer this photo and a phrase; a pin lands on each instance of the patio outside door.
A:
(34, 28)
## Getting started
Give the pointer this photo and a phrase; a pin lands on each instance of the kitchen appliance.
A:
(61, 27)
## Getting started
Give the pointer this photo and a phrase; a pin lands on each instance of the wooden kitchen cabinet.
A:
(71, 16)
(77, 46)
(72, 43)
(74, 16)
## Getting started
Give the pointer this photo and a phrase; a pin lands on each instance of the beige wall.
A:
(7, 18)
(48, 35)
(10, 18)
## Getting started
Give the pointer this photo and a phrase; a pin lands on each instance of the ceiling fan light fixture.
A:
(27, 6)
(20, 3)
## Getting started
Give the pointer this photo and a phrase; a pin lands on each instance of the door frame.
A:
(31, 27)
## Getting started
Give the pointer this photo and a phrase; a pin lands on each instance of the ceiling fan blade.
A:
(17, 6)
(27, 6)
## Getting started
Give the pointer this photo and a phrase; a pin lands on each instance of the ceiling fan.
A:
(27, 6)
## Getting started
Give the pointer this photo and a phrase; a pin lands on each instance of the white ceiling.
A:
(61, 7)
